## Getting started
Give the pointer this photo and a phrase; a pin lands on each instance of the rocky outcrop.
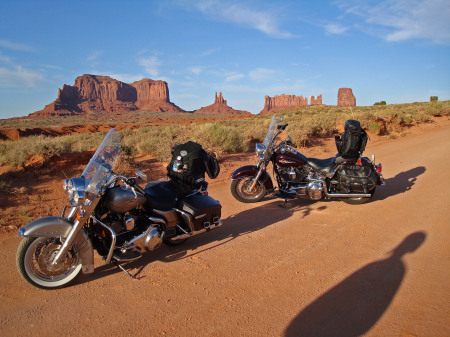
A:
(283, 102)
(316, 100)
(346, 97)
(220, 107)
(105, 95)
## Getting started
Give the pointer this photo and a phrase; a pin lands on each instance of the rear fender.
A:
(54, 226)
(251, 171)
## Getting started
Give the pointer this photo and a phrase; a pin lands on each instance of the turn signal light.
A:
(379, 168)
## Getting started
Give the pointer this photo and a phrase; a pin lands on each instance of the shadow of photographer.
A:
(352, 307)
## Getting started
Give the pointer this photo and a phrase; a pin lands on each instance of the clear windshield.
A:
(271, 132)
(98, 171)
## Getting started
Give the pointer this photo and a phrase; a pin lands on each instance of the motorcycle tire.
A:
(34, 257)
(174, 242)
(239, 190)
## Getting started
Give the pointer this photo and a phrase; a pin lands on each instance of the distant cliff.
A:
(220, 107)
(105, 95)
(346, 97)
(282, 102)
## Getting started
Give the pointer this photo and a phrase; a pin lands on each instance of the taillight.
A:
(379, 168)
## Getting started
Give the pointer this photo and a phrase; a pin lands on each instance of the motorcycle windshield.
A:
(271, 132)
(99, 169)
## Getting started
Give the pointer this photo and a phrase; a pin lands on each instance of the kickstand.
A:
(284, 204)
(123, 269)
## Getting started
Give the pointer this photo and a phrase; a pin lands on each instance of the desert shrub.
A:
(433, 98)
(216, 137)
(374, 127)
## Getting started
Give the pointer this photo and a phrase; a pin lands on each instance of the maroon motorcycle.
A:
(347, 176)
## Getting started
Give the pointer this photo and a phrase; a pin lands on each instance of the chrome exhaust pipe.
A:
(188, 235)
(341, 195)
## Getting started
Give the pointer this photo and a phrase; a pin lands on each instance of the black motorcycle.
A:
(347, 176)
(112, 214)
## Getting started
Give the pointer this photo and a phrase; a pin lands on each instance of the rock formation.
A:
(103, 94)
(316, 101)
(220, 107)
(346, 97)
(283, 102)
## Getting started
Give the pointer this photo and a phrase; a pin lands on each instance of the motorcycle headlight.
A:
(67, 185)
(75, 188)
(260, 149)
(78, 197)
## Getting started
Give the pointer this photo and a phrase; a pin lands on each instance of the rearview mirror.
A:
(141, 175)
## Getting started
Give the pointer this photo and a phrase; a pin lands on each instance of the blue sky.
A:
(392, 50)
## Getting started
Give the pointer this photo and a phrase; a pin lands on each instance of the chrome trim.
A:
(113, 236)
(341, 195)
(157, 220)
(187, 217)
(188, 235)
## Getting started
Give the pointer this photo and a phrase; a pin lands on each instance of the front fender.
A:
(54, 226)
(252, 171)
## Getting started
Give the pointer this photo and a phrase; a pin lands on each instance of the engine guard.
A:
(54, 226)
(251, 171)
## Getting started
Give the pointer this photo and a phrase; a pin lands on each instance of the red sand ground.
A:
(321, 268)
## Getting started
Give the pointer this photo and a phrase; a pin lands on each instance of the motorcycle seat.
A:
(325, 165)
(162, 195)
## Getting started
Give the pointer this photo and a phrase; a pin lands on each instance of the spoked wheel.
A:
(34, 261)
(358, 201)
(240, 189)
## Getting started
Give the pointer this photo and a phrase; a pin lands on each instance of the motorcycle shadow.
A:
(235, 226)
(401, 183)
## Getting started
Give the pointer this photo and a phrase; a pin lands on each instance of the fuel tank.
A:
(119, 199)
(287, 159)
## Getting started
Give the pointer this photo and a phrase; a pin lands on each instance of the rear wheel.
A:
(240, 189)
(34, 262)
(174, 242)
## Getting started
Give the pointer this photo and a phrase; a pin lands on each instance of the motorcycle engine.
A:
(292, 175)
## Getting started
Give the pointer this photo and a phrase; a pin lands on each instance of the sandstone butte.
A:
(282, 102)
(105, 95)
(346, 97)
(220, 107)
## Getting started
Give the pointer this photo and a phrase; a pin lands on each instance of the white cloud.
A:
(261, 74)
(151, 65)
(234, 77)
(265, 21)
(196, 70)
(18, 76)
(14, 46)
(94, 56)
(209, 52)
(404, 19)
(335, 29)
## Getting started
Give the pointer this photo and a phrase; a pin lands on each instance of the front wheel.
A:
(34, 261)
(240, 189)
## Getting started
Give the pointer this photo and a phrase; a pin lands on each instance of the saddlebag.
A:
(353, 141)
(189, 164)
(356, 178)
(203, 210)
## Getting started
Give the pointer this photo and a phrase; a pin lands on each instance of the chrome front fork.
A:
(258, 175)
(79, 216)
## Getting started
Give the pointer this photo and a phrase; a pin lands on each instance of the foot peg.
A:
(129, 255)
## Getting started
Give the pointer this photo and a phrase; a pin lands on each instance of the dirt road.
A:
(311, 269)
